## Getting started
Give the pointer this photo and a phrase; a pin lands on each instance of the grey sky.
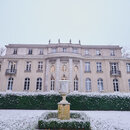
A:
(92, 21)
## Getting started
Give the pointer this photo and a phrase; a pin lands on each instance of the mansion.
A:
(40, 67)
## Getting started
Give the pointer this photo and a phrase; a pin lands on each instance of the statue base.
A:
(64, 109)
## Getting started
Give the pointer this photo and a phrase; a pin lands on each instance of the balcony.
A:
(10, 71)
(115, 73)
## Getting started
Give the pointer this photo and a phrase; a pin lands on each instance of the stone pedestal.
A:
(64, 111)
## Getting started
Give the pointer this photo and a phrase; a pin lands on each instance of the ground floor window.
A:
(100, 84)
(39, 84)
(76, 83)
(10, 83)
(115, 85)
(88, 84)
(129, 83)
(26, 83)
(52, 83)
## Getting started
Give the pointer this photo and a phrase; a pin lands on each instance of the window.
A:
(112, 53)
(98, 52)
(0, 66)
(52, 83)
(100, 84)
(30, 52)
(28, 66)
(115, 85)
(75, 50)
(76, 83)
(64, 49)
(40, 65)
(52, 68)
(86, 52)
(26, 83)
(114, 68)
(88, 84)
(128, 67)
(11, 66)
(129, 83)
(39, 84)
(87, 66)
(53, 50)
(15, 51)
(10, 83)
(99, 67)
(41, 52)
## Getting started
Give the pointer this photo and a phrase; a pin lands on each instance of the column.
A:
(47, 76)
(71, 88)
(57, 75)
(81, 87)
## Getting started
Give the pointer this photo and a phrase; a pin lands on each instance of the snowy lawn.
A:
(28, 119)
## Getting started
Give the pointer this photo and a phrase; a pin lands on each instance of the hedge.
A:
(78, 102)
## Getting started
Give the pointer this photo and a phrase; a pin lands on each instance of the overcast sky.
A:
(105, 22)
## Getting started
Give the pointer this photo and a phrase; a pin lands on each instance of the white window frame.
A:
(75, 50)
(52, 84)
(39, 84)
(53, 50)
(86, 52)
(28, 66)
(128, 67)
(112, 53)
(12, 66)
(88, 84)
(40, 65)
(64, 49)
(30, 51)
(115, 85)
(87, 67)
(26, 84)
(41, 52)
(15, 51)
(76, 83)
(99, 67)
(100, 84)
(98, 53)
(10, 83)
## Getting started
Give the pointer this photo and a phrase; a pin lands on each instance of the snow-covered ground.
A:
(100, 120)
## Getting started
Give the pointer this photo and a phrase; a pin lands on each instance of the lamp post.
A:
(64, 105)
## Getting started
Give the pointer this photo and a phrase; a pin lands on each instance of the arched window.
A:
(115, 85)
(100, 84)
(76, 83)
(88, 84)
(26, 83)
(10, 83)
(52, 83)
(129, 83)
(39, 84)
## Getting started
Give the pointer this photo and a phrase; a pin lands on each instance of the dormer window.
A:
(112, 53)
(30, 52)
(15, 51)
(75, 50)
(41, 52)
(53, 50)
(98, 53)
(64, 49)
(86, 52)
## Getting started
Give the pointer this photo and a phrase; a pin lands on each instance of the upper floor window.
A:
(12, 66)
(99, 67)
(86, 52)
(87, 66)
(40, 65)
(10, 83)
(0, 66)
(39, 84)
(76, 83)
(75, 50)
(28, 66)
(88, 84)
(30, 51)
(64, 49)
(98, 53)
(112, 53)
(53, 50)
(15, 51)
(100, 84)
(128, 67)
(41, 52)
(129, 83)
(26, 83)
(114, 67)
